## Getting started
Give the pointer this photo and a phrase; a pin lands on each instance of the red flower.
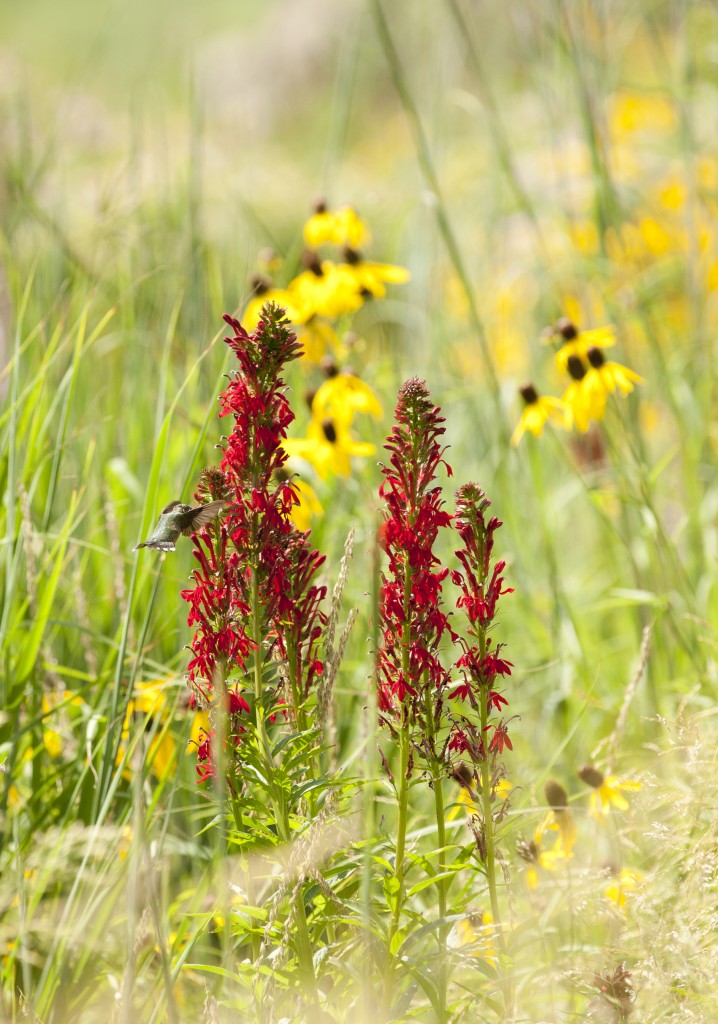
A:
(254, 554)
(500, 739)
(481, 587)
(412, 621)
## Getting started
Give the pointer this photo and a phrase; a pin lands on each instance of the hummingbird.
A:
(177, 518)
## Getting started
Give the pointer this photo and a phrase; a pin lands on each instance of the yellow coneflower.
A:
(623, 886)
(608, 791)
(476, 932)
(603, 378)
(150, 699)
(538, 411)
(335, 227)
(328, 446)
(264, 291)
(343, 395)
(323, 289)
(316, 336)
(577, 342)
(370, 278)
(583, 404)
(309, 506)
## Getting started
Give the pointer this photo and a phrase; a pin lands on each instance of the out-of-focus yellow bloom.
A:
(309, 505)
(557, 820)
(672, 194)
(562, 822)
(265, 292)
(592, 377)
(315, 337)
(150, 700)
(342, 396)
(583, 405)
(585, 237)
(325, 290)
(125, 842)
(328, 446)
(336, 227)
(464, 802)
(623, 887)
(657, 237)
(607, 792)
(199, 730)
(475, 931)
(577, 343)
(631, 112)
(603, 378)
(539, 410)
(368, 277)
(466, 799)
(51, 702)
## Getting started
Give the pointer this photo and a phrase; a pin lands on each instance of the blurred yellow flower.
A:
(603, 378)
(324, 289)
(199, 730)
(583, 404)
(315, 337)
(309, 505)
(466, 799)
(343, 395)
(335, 227)
(328, 446)
(263, 292)
(125, 842)
(150, 700)
(623, 887)
(370, 278)
(631, 112)
(607, 792)
(537, 412)
(577, 343)
(476, 931)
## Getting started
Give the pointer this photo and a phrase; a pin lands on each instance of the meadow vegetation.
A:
(419, 727)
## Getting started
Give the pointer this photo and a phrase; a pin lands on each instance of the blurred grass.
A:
(148, 153)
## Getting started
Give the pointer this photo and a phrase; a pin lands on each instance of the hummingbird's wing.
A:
(198, 517)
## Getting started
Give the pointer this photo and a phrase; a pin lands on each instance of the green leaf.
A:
(426, 882)
(31, 645)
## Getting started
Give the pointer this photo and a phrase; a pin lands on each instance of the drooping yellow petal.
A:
(309, 505)
(343, 395)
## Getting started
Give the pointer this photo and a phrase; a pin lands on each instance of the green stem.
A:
(442, 887)
(399, 861)
(404, 740)
(489, 818)
(281, 813)
(490, 841)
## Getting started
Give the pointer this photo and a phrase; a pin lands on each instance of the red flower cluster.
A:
(412, 620)
(481, 587)
(255, 585)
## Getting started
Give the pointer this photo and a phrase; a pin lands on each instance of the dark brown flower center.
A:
(575, 367)
(330, 431)
(596, 357)
(529, 394)
(567, 328)
(591, 776)
(312, 262)
(556, 795)
(260, 284)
